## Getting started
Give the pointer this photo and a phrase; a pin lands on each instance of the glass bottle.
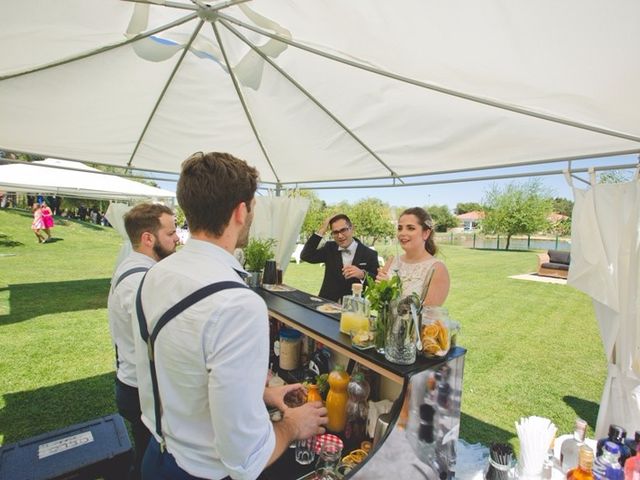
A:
(337, 398)
(633, 444)
(616, 435)
(632, 468)
(313, 394)
(571, 446)
(607, 465)
(585, 462)
(357, 411)
(355, 311)
(400, 346)
(424, 446)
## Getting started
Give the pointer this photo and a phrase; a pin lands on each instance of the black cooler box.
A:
(99, 448)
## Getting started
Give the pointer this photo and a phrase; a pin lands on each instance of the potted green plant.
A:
(256, 254)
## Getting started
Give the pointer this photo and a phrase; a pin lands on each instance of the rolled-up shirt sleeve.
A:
(237, 354)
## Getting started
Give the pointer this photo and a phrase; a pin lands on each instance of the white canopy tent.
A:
(73, 179)
(325, 91)
(321, 91)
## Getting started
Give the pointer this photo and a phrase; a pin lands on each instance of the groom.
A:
(346, 259)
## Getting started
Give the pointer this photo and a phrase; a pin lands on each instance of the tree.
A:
(466, 207)
(372, 218)
(562, 206)
(316, 213)
(561, 227)
(516, 209)
(613, 176)
(443, 219)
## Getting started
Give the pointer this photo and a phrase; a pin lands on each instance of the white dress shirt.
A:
(348, 253)
(211, 362)
(122, 319)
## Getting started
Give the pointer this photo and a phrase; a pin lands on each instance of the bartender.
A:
(346, 259)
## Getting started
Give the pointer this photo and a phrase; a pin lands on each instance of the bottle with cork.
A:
(355, 311)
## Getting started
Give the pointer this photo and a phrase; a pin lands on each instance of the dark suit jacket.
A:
(334, 285)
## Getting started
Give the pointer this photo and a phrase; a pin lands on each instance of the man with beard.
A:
(152, 232)
(204, 337)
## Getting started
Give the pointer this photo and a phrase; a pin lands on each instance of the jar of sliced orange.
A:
(435, 332)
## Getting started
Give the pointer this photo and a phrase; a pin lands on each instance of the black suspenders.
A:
(131, 271)
(127, 273)
(150, 338)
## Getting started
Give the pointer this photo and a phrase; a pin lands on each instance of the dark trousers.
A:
(128, 402)
(158, 465)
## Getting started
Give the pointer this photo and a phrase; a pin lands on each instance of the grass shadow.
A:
(473, 430)
(6, 241)
(54, 240)
(584, 409)
(30, 300)
(38, 411)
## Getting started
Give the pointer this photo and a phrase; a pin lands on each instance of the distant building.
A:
(470, 220)
(556, 217)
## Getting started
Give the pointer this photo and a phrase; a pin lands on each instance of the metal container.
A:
(382, 423)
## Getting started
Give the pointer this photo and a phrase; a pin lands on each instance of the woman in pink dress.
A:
(47, 220)
(37, 223)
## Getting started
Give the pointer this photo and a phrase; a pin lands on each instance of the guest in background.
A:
(47, 220)
(82, 212)
(346, 260)
(418, 268)
(37, 223)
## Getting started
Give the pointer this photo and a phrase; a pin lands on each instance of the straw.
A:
(500, 461)
(535, 434)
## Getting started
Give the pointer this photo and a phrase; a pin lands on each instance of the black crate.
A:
(99, 448)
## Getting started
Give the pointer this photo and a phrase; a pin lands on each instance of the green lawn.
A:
(533, 348)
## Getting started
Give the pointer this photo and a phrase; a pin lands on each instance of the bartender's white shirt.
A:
(211, 362)
(123, 323)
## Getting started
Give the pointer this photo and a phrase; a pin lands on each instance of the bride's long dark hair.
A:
(426, 222)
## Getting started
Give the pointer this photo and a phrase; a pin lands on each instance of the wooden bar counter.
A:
(401, 453)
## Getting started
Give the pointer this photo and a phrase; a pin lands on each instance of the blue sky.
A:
(452, 193)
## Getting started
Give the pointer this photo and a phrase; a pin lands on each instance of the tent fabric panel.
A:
(280, 218)
(605, 264)
(516, 52)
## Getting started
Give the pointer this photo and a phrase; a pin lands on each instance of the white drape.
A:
(605, 264)
(280, 218)
(115, 214)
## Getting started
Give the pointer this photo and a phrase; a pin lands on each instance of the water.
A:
(492, 242)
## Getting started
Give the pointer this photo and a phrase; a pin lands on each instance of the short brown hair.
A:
(340, 216)
(211, 186)
(142, 218)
